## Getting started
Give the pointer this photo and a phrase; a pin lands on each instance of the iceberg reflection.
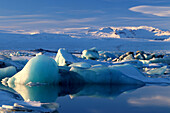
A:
(49, 93)
(44, 93)
(105, 91)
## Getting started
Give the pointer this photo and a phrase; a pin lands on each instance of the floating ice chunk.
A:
(128, 57)
(97, 65)
(40, 53)
(7, 72)
(139, 56)
(40, 69)
(133, 72)
(81, 64)
(90, 54)
(63, 58)
(105, 75)
(107, 55)
(148, 56)
(158, 71)
(161, 60)
(145, 61)
(130, 71)
(154, 65)
(134, 62)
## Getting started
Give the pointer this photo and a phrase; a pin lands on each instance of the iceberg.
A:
(81, 64)
(39, 69)
(165, 60)
(105, 75)
(106, 55)
(117, 74)
(90, 54)
(63, 58)
(7, 72)
(158, 71)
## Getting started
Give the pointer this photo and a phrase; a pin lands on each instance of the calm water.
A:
(100, 98)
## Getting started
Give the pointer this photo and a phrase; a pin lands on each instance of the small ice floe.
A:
(97, 65)
(157, 71)
(40, 69)
(152, 65)
(106, 56)
(126, 56)
(129, 57)
(44, 108)
(133, 62)
(40, 53)
(165, 60)
(140, 55)
(7, 72)
(81, 65)
(90, 54)
(64, 58)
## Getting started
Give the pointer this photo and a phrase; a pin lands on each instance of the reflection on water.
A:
(49, 93)
(132, 98)
(44, 93)
(105, 91)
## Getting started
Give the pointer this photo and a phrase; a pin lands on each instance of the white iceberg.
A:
(117, 74)
(139, 56)
(81, 64)
(105, 75)
(158, 71)
(165, 60)
(128, 57)
(90, 54)
(40, 69)
(63, 58)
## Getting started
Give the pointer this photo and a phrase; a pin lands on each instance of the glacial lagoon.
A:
(98, 98)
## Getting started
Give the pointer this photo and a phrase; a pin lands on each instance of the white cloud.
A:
(82, 20)
(154, 10)
(150, 101)
(20, 16)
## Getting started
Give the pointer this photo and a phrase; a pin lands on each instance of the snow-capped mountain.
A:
(144, 32)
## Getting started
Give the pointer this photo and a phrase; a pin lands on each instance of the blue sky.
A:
(58, 14)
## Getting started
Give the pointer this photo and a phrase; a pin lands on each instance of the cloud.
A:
(154, 10)
(78, 12)
(20, 16)
(150, 101)
(82, 20)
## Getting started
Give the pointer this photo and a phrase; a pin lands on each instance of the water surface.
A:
(100, 98)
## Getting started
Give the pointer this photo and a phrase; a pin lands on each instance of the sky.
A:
(40, 15)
